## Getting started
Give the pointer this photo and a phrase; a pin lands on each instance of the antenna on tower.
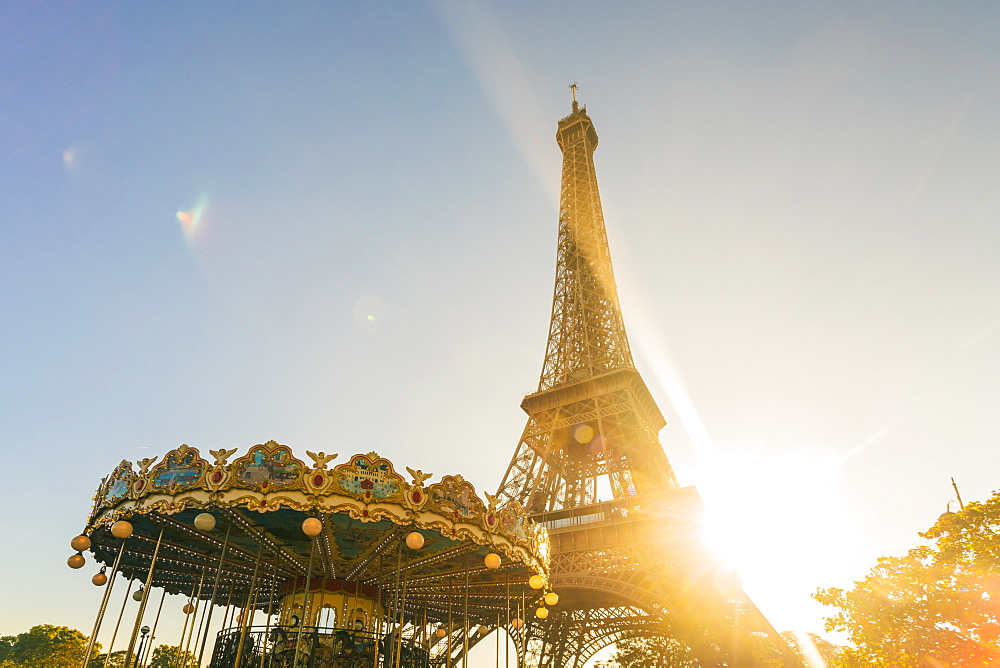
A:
(573, 87)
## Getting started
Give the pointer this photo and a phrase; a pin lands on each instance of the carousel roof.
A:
(259, 503)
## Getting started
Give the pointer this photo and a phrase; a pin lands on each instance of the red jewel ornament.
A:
(139, 484)
(416, 496)
(364, 513)
(217, 477)
(317, 481)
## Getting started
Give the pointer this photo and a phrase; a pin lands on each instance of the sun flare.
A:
(191, 218)
(775, 518)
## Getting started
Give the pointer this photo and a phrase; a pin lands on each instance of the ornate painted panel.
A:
(268, 466)
(180, 469)
(369, 478)
(456, 497)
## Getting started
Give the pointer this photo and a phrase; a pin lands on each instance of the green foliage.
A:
(43, 646)
(939, 604)
(116, 660)
(169, 656)
(652, 651)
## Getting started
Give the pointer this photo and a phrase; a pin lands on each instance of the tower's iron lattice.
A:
(634, 563)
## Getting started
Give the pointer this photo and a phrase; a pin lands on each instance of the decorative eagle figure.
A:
(144, 464)
(320, 459)
(418, 476)
(221, 455)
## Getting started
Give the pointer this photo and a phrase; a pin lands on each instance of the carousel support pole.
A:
(397, 604)
(379, 623)
(523, 645)
(402, 621)
(322, 600)
(498, 639)
(250, 593)
(121, 614)
(376, 624)
(200, 614)
(506, 644)
(142, 602)
(231, 586)
(270, 612)
(187, 617)
(253, 605)
(305, 598)
(156, 621)
(450, 623)
(255, 593)
(465, 614)
(194, 614)
(103, 608)
(215, 590)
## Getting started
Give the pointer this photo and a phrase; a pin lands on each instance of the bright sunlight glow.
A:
(780, 520)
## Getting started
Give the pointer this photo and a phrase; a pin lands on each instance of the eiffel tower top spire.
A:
(586, 334)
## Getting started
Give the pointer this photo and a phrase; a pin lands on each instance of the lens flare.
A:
(69, 158)
(369, 311)
(191, 219)
(583, 433)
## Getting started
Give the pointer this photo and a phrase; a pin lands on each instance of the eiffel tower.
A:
(633, 562)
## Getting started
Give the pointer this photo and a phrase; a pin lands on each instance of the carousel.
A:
(310, 565)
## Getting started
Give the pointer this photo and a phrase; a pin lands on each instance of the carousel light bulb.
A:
(76, 561)
(80, 543)
(99, 580)
(204, 522)
(414, 540)
(536, 582)
(492, 561)
(440, 633)
(312, 526)
(551, 598)
(137, 596)
(483, 629)
(188, 608)
(542, 613)
(516, 623)
(121, 529)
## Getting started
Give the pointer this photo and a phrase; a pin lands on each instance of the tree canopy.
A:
(651, 651)
(44, 646)
(938, 605)
(49, 646)
(169, 656)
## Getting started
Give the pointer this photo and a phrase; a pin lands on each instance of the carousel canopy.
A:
(255, 542)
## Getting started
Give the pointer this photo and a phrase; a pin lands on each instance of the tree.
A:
(939, 604)
(652, 651)
(44, 646)
(170, 656)
(118, 659)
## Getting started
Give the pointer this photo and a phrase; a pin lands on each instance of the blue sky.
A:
(801, 202)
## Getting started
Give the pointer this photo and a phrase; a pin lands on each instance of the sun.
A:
(781, 521)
